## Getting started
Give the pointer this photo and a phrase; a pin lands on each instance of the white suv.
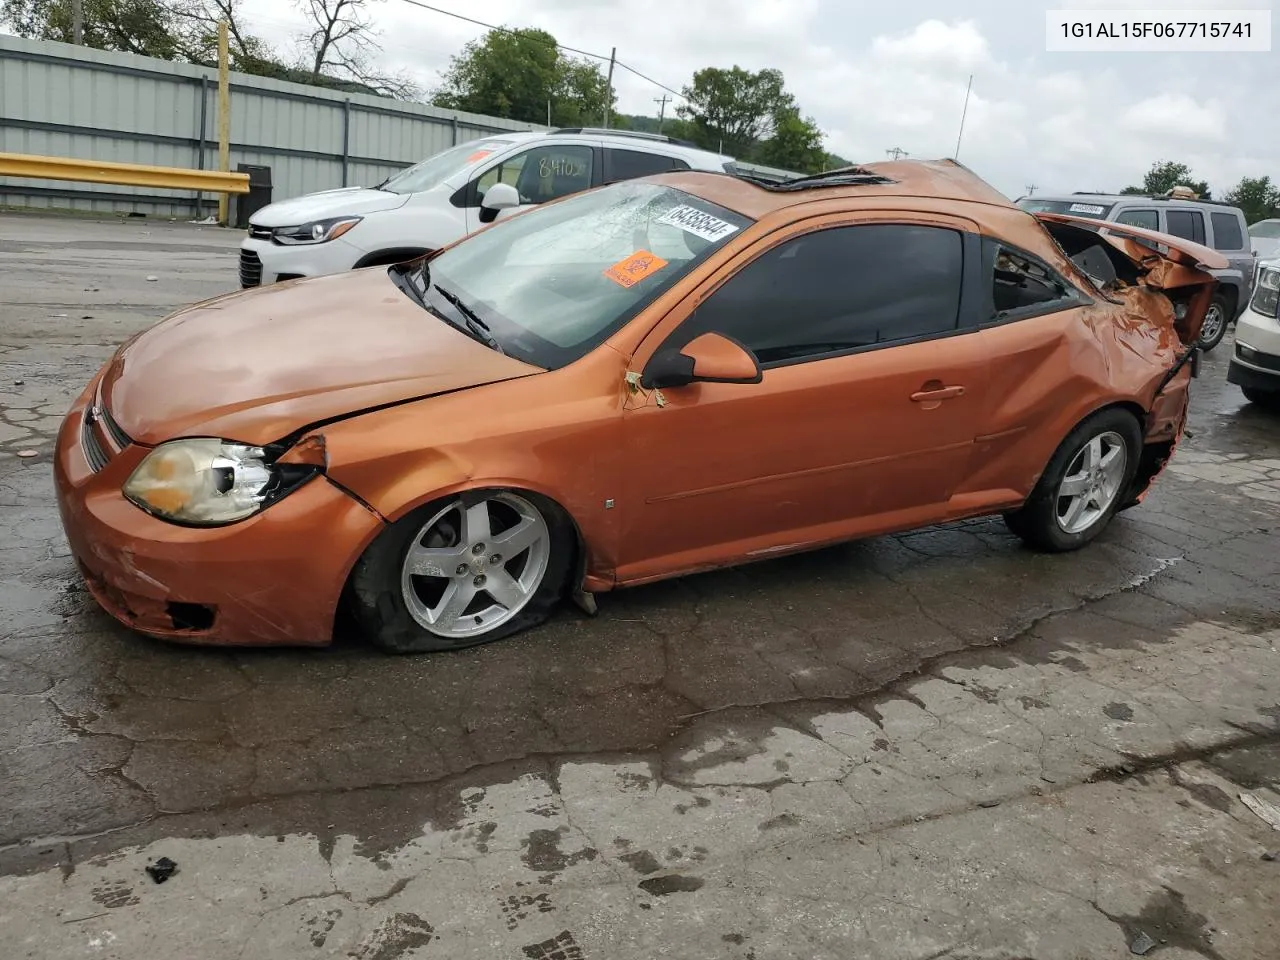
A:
(1255, 362)
(439, 200)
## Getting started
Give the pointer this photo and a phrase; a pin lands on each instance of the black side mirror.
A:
(667, 368)
(488, 214)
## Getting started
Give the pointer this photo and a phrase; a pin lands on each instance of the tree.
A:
(1164, 175)
(144, 27)
(796, 144)
(733, 110)
(344, 45)
(515, 73)
(1256, 196)
(197, 27)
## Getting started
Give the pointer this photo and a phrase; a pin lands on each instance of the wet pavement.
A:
(931, 745)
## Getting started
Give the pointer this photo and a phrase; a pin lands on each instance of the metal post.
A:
(346, 138)
(608, 93)
(204, 127)
(963, 114)
(662, 108)
(77, 22)
(224, 117)
(455, 130)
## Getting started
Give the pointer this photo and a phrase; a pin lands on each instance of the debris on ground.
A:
(1142, 945)
(18, 383)
(152, 279)
(162, 869)
(28, 454)
(1263, 808)
(1271, 856)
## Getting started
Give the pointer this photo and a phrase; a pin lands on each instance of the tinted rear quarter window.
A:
(1188, 224)
(630, 164)
(837, 290)
(1147, 219)
(1226, 231)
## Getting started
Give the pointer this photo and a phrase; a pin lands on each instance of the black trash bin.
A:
(259, 195)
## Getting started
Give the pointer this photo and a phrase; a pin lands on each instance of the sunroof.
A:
(844, 177)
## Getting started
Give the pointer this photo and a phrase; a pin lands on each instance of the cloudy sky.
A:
(881, 75)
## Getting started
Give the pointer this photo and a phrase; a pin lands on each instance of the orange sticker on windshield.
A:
(629, 272)
(478, 155)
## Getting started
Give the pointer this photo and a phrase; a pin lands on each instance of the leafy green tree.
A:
(1164, 175)
(145, 27)
(514, 73)
(733, 110)
(1257, 197)
(796, 144)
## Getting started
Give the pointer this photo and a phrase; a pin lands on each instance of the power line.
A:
(559, 46)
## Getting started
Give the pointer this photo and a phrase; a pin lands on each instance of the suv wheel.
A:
(1214, 327)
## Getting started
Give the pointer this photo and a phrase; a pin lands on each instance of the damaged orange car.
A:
(649, 379)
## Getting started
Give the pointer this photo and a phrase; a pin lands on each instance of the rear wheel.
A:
(1270, 399)
(1082, 487)
(463, 571)
(1214, 327)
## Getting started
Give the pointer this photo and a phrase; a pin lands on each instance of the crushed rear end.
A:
(1164, 288)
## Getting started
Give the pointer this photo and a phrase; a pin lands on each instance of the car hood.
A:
(345, 201)
(1267, 248)
(258, 365)
(1182, 252)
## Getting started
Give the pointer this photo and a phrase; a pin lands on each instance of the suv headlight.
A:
(209, 482)
(317, 231)
(1266, 296)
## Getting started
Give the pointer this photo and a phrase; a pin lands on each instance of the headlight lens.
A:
(317, 231)
(209, 482)
(1266, 297)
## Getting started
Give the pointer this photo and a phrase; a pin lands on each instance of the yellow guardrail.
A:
(122, 174)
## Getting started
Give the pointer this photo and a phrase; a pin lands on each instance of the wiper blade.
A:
(475, 326)
(402, 280)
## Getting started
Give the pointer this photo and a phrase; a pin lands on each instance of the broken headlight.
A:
(317, 231)
(1266, 298)
(208, 482)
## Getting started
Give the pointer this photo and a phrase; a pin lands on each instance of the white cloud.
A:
(894, 76)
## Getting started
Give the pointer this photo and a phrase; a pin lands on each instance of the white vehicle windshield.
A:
(434, 171)
(551, 284)
(1266, 229)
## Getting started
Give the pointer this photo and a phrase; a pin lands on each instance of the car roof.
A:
(946, 180)
(626, 139)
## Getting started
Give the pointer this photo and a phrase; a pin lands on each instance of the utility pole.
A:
(613, 55)
(1031, 188)
(77, 22)
(662, 108)
(896, 152)
(224, 118)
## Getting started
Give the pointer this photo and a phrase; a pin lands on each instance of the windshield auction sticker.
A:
(699, 223)
(631, 270)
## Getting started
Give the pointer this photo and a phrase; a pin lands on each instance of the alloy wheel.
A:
(1091, 482)
(473, 566)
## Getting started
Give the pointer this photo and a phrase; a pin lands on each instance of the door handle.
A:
(931, 393)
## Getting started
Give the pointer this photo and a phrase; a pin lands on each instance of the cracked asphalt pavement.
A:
(935, 745)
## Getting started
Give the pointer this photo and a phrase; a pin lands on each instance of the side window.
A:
(1226, 231)
(543, 173)
(1022, 285)
(1147, 219)
(837, 290)
(629, 164)
(1188, 224)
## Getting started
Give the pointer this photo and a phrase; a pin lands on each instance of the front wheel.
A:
(1082, 486)
(1214, 327)
(465, 570)
(1267, 399)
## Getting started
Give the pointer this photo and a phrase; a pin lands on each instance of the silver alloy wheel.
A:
(1092, 482)
(470, 569)
(1211, 328)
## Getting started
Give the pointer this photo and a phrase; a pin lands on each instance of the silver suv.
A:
(1217, 225)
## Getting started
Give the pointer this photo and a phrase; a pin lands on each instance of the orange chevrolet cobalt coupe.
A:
(653, 378)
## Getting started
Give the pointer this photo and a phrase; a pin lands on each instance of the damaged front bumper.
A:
(274, 578)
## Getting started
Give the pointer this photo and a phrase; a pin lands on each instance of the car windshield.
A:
(551, 284)
(1266, 229)
(1075, 208)
(433, 171)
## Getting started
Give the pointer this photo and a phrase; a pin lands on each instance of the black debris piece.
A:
(162, 869)
(1142, 945)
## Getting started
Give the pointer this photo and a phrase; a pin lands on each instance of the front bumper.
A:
(263, 262)
(1255, 359)
(272, 579)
